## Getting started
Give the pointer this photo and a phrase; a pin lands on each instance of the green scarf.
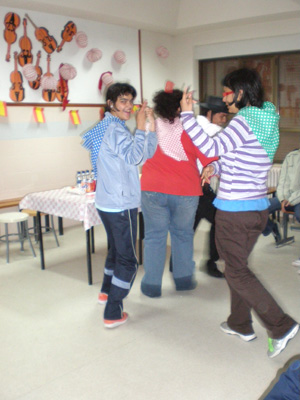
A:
(264, 124)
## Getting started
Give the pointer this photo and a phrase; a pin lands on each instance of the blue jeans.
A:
(163, 213)
(288, 386)
(274, 206)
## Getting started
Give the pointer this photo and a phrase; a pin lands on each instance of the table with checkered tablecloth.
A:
(65, 204)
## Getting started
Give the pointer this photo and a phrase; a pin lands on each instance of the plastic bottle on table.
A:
(78, 179)
(83, 181)
(93, 181)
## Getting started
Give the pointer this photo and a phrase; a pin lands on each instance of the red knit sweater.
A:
(163, 174)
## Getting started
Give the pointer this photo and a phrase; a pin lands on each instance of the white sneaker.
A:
(277, 345)
(225, 328)
(296, 263)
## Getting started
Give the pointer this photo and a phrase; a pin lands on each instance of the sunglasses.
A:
(227, 93)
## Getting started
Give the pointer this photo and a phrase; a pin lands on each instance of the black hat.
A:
(215, 104)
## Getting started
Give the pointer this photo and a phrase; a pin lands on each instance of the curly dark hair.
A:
(118, 89)
(247, 80)
(166, 105)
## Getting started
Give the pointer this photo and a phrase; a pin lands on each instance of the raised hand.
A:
(150, 118)
(141, 117)
(187, 101)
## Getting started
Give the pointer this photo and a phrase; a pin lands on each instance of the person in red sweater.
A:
(171, 186)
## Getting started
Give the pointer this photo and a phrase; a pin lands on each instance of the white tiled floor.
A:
(53, 344)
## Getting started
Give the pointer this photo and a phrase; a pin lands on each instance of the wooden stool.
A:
(18, 218)
(33, 213)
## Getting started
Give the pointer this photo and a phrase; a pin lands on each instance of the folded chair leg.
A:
(286, 239)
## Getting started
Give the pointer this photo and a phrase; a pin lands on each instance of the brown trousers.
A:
(236, 235)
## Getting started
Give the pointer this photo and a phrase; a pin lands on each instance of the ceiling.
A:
(167, 16)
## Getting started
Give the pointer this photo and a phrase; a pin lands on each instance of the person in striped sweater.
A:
(246, 148)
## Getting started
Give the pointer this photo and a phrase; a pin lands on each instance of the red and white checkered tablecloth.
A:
(62, 203)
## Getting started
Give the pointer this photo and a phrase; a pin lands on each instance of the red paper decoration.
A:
(106, 79)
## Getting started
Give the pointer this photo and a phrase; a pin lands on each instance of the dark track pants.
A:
(121, 262)
(236, 235)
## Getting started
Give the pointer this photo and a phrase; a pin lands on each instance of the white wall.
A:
(156, 71)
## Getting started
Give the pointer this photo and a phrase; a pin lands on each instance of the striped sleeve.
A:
(234, 136)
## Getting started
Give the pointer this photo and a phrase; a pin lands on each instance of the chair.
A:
(47, 228)
(22, 224)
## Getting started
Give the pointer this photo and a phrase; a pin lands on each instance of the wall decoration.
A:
(11, 22)
(67, 71)
(101, 113)
(3, 109)
(25, 55)
(106, 80)
(35, 84)
(169, 87)
(67, 34)
(81, 39)
(48, 83)
(89, 36)
(48, 42)
(74, 117)
(94, 55)
(162, 52)
(16, 92)
(29, 72)
(120, 57)
(38, 113)
(62, 92)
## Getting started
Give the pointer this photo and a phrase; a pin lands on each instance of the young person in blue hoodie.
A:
(116, 154)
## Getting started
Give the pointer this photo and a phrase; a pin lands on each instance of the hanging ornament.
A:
(29, 72)
(74, 117)
(48, 82)
(162, 52)
(94, 55)
(101, 113)
(120, 57)
(81, 39)
(39, 116)
(3, 109)
(67, 71)
(106, 79)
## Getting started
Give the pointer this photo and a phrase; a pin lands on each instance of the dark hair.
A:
(204, 111)
(166, 104)
(117, 89)
(247, 80)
